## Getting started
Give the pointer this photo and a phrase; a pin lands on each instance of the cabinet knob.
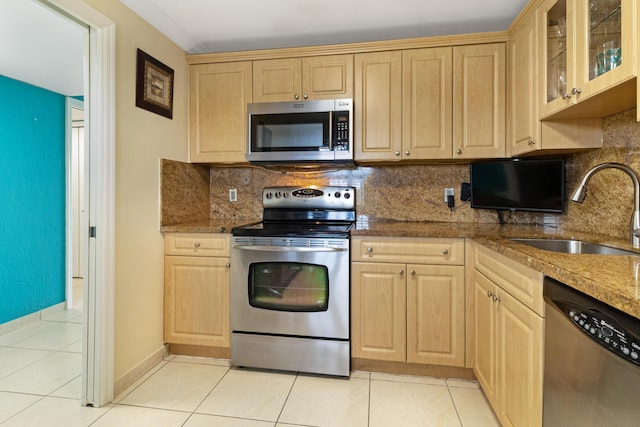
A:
(305, 96)
(566, 95)
(576, 91)
(413, 273)
(196, 244)
(532, 142)
(228, 265)
(407, 153)
(370, 249)
(397, 153)
(490, 294)
(401, 272)
(495, 298)
(459, 151)
(296, 96)
(445, 252)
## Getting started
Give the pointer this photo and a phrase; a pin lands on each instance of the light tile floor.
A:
(40, 386)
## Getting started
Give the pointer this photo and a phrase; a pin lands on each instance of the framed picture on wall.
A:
(154, 85)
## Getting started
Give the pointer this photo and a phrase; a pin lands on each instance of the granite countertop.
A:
(207, 225)
(613, 279)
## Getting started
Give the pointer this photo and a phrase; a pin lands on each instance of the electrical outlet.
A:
(447, 192)
(233, 195)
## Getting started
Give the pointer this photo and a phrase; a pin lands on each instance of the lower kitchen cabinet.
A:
(508, 337)
(408, 312)
(196, 305)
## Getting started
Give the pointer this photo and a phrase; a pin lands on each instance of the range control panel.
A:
(309, 197)
(607, 332)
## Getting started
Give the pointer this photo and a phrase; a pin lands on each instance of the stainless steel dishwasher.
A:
(592, 366)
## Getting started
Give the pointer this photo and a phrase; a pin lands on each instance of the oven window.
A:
(289, 286)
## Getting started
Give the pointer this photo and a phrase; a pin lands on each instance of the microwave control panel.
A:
(341, 130)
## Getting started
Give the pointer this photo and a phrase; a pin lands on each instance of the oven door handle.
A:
(287, 249)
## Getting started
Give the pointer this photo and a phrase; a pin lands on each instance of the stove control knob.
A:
(285, 194)
(606, 331)
(269, 195)
(337, 195)
(347, 195)
(278, 194)
(625, 351)
(634, 355)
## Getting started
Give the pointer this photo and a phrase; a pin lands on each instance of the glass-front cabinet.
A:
(587, 50)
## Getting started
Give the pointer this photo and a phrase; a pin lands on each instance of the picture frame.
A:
(154, 85)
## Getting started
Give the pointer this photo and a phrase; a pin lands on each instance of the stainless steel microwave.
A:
(300, 132)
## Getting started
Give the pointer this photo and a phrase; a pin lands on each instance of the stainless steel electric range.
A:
(290, 282)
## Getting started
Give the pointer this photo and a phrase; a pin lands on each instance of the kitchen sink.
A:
(570, 246)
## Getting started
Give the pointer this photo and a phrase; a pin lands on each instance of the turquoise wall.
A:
(32, 199)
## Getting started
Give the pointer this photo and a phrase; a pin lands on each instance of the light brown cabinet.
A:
(378, 106)
(450, 102)
(526, 133)
(218, 97)
(479, 96)
(507, 332)
(308, 78)
(587, 65)
(197, 280)
(410, 311)
(427, 97)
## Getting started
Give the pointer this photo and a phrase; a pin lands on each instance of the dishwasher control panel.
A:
(606, 331)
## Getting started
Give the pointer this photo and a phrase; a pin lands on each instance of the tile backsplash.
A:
(416, 192)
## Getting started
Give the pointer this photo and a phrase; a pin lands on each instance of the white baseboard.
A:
(18, 323)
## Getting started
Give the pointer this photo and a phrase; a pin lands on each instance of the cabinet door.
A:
(197, 301)
(604, 58)
(218, 99)
(435, 315)
(523, 124)
(485, 333)
(427, 97)
(277, 80)
(327, 77)
(378, 101)
(557, 44)
(520, 363)
(479, 85)
(378, 311)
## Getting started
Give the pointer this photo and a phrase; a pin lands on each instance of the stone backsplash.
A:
(416, 192)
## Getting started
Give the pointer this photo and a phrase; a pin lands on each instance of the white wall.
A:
(142, 138)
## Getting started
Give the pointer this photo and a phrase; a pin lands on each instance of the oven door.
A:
(285, 286)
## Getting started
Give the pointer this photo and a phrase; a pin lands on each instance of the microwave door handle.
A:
(286, 249)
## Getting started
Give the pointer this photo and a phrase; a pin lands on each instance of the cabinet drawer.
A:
(197, 244)
(408, 250)
(520, 281)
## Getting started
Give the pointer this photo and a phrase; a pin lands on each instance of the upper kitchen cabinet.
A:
(525, 132)
(479, 95)
(587, 64)
(314, 77)
(427, 117)
(378, 106)
(218, 99)
(449, 102)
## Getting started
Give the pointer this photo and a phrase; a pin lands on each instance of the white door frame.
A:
(71, 213)
(98, 295)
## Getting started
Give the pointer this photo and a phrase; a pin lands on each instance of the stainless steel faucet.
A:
(581, 192)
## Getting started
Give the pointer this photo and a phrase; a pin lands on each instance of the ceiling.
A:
(43, 48)
(205, 26)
